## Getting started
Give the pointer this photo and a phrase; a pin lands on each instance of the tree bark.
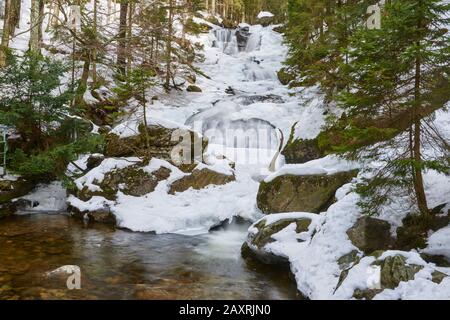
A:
(122, 41)
(5, 34)
(169, 47)
(34, 45)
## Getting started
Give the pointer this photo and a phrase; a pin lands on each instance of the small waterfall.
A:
(226, 41)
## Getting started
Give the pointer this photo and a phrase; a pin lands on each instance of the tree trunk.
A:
(417, 161)
(94, 51)
(5, 34)
(15, 16)
(34, 45)
(419, 188)
(122, 41)
(169, 47)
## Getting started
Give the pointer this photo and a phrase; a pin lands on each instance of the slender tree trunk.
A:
(418, 178)
(129, 35)
(169, 46)
(15, 16)
(5, 34)
(122, 42)
(34, 45)
(94, 51)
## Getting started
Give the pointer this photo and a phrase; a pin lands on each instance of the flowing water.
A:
(117, 264)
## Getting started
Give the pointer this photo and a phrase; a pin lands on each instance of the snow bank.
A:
(328, 165)
(265, 14)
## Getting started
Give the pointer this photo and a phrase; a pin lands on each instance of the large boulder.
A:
(199, 179)
(370, 234)
(155, 141)
(301, 193)
(302, 151)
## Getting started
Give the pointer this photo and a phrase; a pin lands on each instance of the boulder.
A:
(302, 193)
(370, 234)
(393, 270)
(10, 189)
(302, 151)
(94, 161)
(103, 215)
(285, 77)
(160, 143)
(256, 241)
(200, 179)
(9, 208)
(266, 231)
(133, 181)
(242, 35)
(193, 88)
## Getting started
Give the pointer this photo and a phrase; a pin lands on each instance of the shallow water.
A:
(117, 264)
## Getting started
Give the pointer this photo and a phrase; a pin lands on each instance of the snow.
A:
(265, 14)
(439, 243)
(49, 197)
(325, 166)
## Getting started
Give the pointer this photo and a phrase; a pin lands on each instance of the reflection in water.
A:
(117, 264)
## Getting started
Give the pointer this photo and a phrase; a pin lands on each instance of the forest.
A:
(225, 149)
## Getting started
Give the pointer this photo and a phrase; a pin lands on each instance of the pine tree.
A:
(318, 33)
(397, 77)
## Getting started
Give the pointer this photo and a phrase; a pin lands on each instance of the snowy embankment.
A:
(315, 259)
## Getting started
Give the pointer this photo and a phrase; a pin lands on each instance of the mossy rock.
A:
(308, 193)
(266, 231)
(370, 234)
(254, 246)
(438, 277)
(200, 179)
(285, 76)
(394, 270)
(10, 189)
(132, 180)
(151, 142)
(193, 88)
(302, 151)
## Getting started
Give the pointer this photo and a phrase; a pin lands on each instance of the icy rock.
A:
(301, 193)
(370, 234)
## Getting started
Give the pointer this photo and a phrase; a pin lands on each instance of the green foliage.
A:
(36, 105)
(53, 162)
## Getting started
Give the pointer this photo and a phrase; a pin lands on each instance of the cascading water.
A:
(226, 41)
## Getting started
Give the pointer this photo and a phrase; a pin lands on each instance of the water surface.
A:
(117, 264)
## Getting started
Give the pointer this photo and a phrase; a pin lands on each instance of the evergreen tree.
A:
(34, 103)
(397, 77)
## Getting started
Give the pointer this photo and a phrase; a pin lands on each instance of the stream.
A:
(117, 264)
